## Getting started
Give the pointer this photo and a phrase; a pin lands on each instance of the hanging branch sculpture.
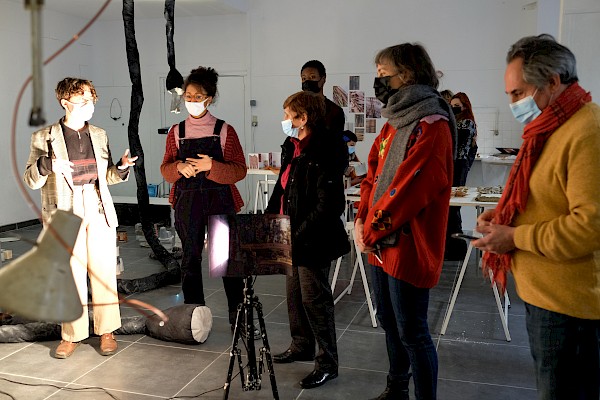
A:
(172, 274)
(174, 81)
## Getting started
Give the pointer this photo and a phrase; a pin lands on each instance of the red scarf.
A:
(514, 197)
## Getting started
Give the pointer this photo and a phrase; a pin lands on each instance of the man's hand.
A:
(497, 238)
(63, 167)
(127, 161)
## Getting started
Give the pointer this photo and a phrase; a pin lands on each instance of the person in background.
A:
(467, 137)
(351, 139)
(466, 149)
(203, 160)
(403, 199)
(447, 95)
(70, 162)
(546, 227)
(310, 190)
(313, 78)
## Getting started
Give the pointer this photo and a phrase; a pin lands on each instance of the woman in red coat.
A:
(404, 209)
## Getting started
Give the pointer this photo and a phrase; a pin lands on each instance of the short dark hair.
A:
(349, 136)
(72, 86)
(316, 64)
(309, 103)
(410, 59)
(205, 77)
(543, 57)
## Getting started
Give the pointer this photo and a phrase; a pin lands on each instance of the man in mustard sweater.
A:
(546, 228)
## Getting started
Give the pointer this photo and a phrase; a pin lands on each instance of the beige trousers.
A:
(95, 250)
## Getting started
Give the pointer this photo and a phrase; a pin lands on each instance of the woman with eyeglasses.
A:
(203, 160)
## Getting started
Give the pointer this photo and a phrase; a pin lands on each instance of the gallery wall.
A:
(262, 52)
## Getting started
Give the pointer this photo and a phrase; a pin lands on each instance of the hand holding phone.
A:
(463, 236)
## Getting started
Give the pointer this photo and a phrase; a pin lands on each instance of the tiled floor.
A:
(475, 360)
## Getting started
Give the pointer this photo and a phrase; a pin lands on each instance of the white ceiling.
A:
(143, 9)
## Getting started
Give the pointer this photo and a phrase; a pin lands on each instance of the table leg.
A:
(456, 289)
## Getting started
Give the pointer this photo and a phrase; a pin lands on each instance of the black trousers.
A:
(311, 314)
(191, 213)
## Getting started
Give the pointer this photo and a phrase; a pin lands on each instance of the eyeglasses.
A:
(85, 101)
(195, 97)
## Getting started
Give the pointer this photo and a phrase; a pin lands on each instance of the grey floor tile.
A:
(476, 362)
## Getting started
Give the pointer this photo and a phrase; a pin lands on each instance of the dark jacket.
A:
(314, 198)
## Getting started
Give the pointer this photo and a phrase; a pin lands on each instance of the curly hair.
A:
(206, 78)
(69, 87)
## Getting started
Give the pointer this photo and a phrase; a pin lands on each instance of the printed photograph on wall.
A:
(360, 134)
(355, 82)
(373, 107)
(340, 96)
(357, 101)
(359, 120)
(371, 125)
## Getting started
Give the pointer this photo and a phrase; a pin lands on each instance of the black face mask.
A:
(456, 110)
(311, 86)
(383, 91)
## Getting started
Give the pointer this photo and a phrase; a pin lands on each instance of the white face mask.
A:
(526, 109)
(288, 130)
(83, 113)
(195, 108)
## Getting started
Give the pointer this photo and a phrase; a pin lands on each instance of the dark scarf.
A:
(404, 110)
(514, 197)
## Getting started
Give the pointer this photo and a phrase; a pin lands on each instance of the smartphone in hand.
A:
(463, 236)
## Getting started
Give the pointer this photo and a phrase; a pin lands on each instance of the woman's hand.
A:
(358, 236)
(496, 238)
(201, 164)
(127, 161)
(186, 169)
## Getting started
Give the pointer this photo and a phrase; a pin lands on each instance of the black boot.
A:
(396, 389)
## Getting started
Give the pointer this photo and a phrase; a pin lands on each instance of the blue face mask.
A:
(288, 130)
(526, 109)
(351, 149)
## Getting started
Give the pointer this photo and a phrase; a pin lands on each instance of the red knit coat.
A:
(417, 200)
(232, 170)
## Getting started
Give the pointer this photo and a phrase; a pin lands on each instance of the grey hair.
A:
(543, 57)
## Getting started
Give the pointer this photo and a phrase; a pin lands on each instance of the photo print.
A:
(359, 120)
(371, 125)
(360, 134)
(357, 101)
(373, 107)
(354, 82)
(340, 96)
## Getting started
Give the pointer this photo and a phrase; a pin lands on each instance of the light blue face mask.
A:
(351, 149)
(526, 109)
(288, 130)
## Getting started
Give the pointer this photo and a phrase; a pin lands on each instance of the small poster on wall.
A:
(359, 120)
(360, 134)
(355, 82)
(357, 101)
(373, 107)
(371, 125)
(340, 96)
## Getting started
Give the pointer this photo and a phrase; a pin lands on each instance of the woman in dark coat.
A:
(310, 190)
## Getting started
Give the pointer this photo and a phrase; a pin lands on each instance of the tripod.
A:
(245, 314)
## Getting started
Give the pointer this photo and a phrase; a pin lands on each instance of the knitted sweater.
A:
(232, 170)
(417, 202)
(557, 261)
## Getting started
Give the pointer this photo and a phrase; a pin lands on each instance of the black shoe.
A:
(317, 378)
(289, 356)
(395, 390)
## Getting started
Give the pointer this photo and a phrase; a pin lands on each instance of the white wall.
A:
(467, 40)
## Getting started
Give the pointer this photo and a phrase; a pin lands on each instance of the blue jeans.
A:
(565, 355)
(402, 313)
